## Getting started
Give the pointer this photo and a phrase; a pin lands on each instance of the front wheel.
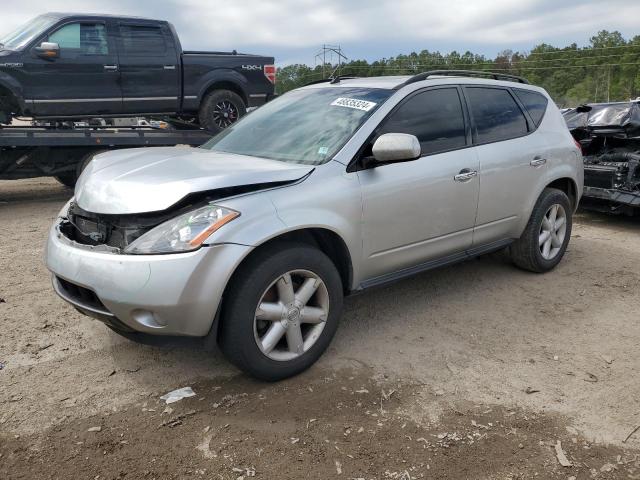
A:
(220, 109)
(545, 239)
(281, 311)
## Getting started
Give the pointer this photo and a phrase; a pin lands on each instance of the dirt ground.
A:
(473, 371)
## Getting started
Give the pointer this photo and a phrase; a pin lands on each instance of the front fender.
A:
(9, 82)
(328, 199)
(257, 223)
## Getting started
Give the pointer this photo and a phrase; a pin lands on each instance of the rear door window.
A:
(434, 116)
(143, 40)
(534, 102)
(496, 114)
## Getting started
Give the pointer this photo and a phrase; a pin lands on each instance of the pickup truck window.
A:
(85, 38)
(306, 126)
(27, 32)
(139, 40)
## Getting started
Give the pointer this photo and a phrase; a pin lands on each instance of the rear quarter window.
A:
(534, 102)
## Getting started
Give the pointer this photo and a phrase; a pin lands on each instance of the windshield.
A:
(23, 35)
(306, 126)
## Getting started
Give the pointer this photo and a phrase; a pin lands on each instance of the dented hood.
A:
(153, 179)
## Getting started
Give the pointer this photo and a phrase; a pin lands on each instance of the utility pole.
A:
(330, 51)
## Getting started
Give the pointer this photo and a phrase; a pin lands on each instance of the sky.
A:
(294, 30)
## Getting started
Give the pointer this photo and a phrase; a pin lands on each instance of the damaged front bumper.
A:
(171, 294)
(613, 177)
(610, 138)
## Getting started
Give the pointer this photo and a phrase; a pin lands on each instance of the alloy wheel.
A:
(291, 315)
(225, 113)
(553, 230)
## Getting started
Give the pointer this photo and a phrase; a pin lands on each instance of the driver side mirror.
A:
(48, 50)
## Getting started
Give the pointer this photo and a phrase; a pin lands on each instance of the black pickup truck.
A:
(66, 66)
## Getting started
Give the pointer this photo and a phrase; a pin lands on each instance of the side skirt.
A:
(432, 264)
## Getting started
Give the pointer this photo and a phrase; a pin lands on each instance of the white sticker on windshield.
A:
(353, 103)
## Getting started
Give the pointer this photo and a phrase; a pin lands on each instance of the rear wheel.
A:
(281, 311)
(219, 109)
(69, 178)
(545, 239)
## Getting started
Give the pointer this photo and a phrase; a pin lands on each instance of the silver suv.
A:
(255, 238)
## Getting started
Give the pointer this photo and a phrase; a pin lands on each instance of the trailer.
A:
(37, 151)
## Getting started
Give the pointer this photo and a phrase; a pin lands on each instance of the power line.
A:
(453, 63)
(449, 61)
(584, 49)
(558, 51)
(397, 69)
(550, 67)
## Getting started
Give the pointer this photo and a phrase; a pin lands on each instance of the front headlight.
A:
(183, 233)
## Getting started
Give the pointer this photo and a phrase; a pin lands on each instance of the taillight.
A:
(578, 144)
(270, 73)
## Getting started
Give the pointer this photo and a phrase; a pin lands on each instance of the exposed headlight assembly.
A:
(184, 233)
(65, 210)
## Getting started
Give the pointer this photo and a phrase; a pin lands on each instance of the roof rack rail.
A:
(463, 73)
(331, 80)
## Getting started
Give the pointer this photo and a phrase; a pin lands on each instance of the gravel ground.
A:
(472, 371)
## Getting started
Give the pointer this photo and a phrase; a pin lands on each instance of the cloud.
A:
(294, 29)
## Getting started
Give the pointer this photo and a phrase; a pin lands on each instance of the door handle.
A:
(465, 175)
(111, 68)
(169, 67)
(537, 161)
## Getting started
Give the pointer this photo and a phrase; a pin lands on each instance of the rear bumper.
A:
(258, 99)
(175, 294)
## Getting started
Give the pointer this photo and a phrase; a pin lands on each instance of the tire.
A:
(530, 252)
(86, 160)
(243, 335)
(68, 179)
(218, 103)
(5, 118)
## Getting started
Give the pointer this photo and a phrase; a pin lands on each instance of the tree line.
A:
(608, 69)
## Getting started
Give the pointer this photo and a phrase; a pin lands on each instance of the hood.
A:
(621, 119)
(153, 179)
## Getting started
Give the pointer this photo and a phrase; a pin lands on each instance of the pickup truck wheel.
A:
(545, 239)
(281, 311)
(5, 118)
(219, 109)
(68, 179)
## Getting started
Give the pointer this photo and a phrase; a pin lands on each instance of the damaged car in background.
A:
(609, 134)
